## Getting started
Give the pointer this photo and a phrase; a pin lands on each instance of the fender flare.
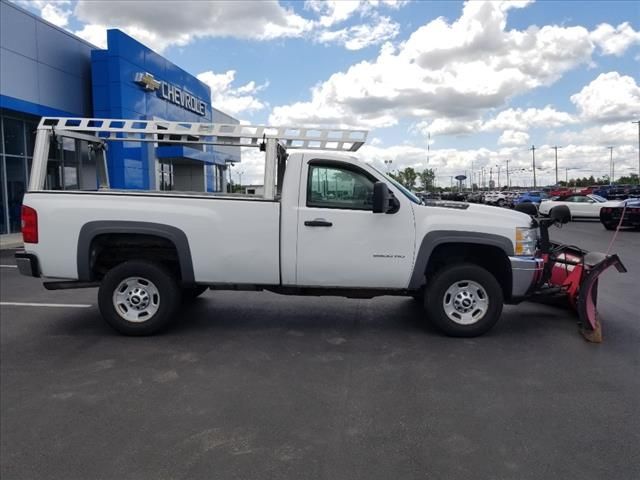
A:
(91, 230)
(439, 237)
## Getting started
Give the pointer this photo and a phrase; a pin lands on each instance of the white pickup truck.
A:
(327, 224)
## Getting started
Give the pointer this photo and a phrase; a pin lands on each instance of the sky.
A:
(454, 86)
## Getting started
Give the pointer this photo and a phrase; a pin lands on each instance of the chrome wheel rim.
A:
(136, 299)
(465, 302)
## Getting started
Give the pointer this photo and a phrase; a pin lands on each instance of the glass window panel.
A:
(335, 187)
(88, 170)
(31, 136)
(16, 186)
(53, 180)
(3, 203)
(70, 162)
(13, 136)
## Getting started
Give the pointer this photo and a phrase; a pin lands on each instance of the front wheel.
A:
(138, 297)
(610, 226)
(464, 300)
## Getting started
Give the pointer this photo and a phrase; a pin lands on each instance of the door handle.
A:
(318, 222)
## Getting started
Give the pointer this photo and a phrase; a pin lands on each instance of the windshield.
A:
(598, 198)
(399, 186)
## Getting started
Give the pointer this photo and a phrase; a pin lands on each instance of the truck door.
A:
(341, 242)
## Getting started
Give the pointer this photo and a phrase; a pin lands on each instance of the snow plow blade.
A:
(586, 302)
(575, 273)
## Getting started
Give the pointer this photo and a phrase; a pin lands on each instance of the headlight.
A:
(526, 241)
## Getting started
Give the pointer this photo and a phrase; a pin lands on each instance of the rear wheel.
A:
(610, 226)
(463, 300)
(501, 203)
(138, 297)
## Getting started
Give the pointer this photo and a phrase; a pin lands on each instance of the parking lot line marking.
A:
(60, 305)
(8, 266)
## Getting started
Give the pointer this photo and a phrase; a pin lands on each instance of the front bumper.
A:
(27, 264)
(526, 272)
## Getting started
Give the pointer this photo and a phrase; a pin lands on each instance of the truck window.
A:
(336, 187)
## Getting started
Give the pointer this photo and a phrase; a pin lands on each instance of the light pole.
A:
(240, 173)
(508, 182)
(556, 149)
(229, 165)
(638, 122)
(611, 166)
(498, 166)
(533, 156)
(388, 164)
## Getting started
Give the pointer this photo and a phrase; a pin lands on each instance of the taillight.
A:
(29, 225)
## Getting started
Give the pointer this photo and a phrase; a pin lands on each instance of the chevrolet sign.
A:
(171, 93)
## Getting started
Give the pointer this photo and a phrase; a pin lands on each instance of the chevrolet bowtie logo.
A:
(147, 81)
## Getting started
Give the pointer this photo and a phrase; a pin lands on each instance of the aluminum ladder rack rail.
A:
(110, 129)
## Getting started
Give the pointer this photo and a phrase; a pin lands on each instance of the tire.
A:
(501, 203)
(138, 297)
(464, 282)
(610, 226)
(191, 293)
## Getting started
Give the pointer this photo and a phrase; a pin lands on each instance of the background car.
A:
(585, 206)
(610, 216)
(475, 197)
(530, 197)
(424, 196)
(495, 198)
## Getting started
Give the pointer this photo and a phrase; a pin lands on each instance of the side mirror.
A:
(380, 197)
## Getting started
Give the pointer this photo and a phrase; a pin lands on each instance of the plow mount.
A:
(571, 274)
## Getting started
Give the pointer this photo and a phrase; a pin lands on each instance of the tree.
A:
(407, 177)
(630, 179)
(426, 177)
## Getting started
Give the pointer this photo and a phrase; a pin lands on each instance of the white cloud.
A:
(52, 12)
(450, 70)
(610, 97)
(358, 37)
(173, 22)
(520, 119)
(94, 34)
(513, 138)
(616, 134)
(580, 160)
(333, 11)
(615, 41)
(233, 100)
(448, 126)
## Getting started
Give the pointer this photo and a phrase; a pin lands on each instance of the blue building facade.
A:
(46, 71)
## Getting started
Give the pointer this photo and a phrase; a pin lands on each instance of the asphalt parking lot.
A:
(256, 385)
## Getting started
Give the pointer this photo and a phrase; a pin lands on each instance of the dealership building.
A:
(47, 71)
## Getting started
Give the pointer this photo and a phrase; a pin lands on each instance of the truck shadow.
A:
(221, 314)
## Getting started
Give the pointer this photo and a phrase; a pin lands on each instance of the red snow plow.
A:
(570, 275)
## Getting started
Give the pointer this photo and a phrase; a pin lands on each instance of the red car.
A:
(560, 192)
(589, 190)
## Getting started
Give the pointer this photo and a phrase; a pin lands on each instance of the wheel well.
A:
(111, 249)
(492, 259)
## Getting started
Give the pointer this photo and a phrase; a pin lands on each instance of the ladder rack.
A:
(109, 129)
